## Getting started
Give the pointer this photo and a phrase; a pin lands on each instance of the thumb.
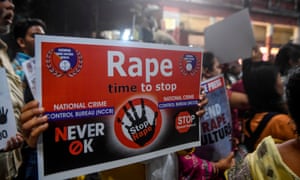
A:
(231, 155)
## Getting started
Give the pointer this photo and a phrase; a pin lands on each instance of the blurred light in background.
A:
(126, 35)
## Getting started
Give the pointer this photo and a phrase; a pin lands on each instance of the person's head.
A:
(235, 68)
(24, 32)
(211, 65)
(6, 15)
(287, 57)
(263, 85)
(256, 54)
(293, 96)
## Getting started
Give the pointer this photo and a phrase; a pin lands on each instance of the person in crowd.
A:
(237, 100)
(10, 156)
(163, 37)
(264, 88)
(211, 68)
(256, 56)
(240, 114)
(287, 58)
(148, 26)
(271, 160)
(192, 165)
(233, 72)
(24, 32)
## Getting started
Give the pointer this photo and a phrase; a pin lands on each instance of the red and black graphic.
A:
(138, 123)
(184, 121)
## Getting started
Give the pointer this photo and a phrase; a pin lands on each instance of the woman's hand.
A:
(226, 162)
(202, 102)
(33, 122)
(14, 142)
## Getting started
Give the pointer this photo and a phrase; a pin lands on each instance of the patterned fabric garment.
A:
(192, 167)
(17, 64)
(264, 163)
(10, 161)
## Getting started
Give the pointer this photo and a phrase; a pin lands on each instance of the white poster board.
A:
(231, 38)
(8, 127)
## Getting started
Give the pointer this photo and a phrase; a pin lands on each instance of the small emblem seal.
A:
(64, 61)
(189, 64)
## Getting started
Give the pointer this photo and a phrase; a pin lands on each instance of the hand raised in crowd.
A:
(226, 162)
(202, 102)
(14, 142)
(33, 122)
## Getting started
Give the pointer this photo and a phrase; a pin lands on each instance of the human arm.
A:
(192, 166)
(33, 122)
(238, 100)
(14, 142)
(225, 163)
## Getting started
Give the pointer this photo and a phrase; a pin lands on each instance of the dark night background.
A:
(78, 18)
(74, 17)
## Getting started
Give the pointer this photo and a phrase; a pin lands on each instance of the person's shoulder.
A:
(268, 140)
(284, 126)
(258, 116)
(3, 45)
(266, 144)
(281, 117)
(238, 86)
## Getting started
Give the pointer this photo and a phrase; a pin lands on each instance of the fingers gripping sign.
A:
(141, 121)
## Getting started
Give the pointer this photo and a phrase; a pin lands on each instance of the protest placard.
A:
(8, 127)
(29, 71)
(112, 103)
(232, 38)
(216, 124)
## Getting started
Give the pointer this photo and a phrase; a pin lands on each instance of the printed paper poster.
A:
(112, 103)
(8, 127)
(216, 124)
(29, 70)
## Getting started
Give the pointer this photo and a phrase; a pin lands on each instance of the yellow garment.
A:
(132, 172)
(264, 163)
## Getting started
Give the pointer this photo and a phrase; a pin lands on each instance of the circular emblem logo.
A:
(189, 64)
(64, 61)
(138, 123)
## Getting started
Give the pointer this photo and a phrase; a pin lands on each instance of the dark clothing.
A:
(29, 168)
